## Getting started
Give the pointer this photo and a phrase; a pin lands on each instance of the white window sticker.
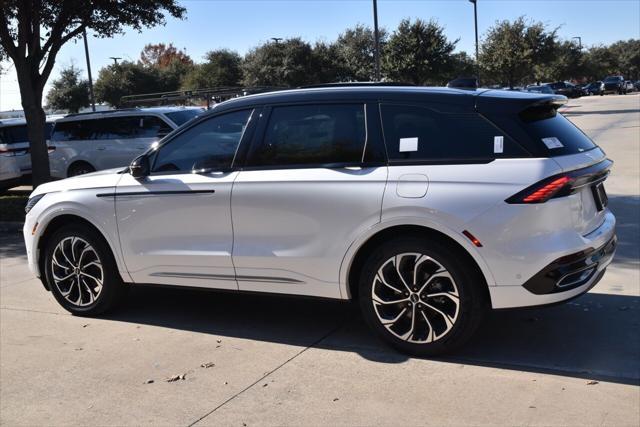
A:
(552, 142)
(498, 144)
(408, 144)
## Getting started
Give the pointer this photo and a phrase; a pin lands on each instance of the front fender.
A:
(99, 212)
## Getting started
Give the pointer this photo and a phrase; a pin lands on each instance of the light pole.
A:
(86, 53)
(376, 35)
(276, 39)
(579, 41)
(475, 20)
(115, 59)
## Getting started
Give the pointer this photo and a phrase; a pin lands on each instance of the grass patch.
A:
(12, 206)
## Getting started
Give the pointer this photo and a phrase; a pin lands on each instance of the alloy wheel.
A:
(77, 271)
(415, 298)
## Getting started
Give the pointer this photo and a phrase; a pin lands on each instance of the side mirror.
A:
(139, 167)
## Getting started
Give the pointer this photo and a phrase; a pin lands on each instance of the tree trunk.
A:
(36, 124)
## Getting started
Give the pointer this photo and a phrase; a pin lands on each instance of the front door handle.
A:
(101, 148)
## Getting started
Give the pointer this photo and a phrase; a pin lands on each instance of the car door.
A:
(312, 183)
(175, 224)
(118, 140)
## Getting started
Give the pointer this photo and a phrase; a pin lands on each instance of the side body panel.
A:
(176, 229)
(293, 227)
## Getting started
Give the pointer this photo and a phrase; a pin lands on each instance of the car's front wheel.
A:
(421, 297)
(81, 272)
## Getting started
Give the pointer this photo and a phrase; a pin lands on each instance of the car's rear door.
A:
(175, 224)
(313, 182)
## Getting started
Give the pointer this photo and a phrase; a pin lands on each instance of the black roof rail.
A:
(102, 112)
(356, 84)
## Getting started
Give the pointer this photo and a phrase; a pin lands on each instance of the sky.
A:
(242, 24)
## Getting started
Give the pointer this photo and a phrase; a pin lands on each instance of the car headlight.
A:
(32, 202)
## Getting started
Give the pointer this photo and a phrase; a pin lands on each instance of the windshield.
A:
(183, 116)
(611, 79)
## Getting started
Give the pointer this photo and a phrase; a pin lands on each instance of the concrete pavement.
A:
(289, 361)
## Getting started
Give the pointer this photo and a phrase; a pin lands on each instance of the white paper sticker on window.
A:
(408, 144)
(498, 144)
(552, 142)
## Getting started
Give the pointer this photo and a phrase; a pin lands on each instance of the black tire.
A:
(80, 168)
(473, 301)
(112, 289)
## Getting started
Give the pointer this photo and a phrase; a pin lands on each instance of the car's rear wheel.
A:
(80, 168)
(421, 297)
(81, 272)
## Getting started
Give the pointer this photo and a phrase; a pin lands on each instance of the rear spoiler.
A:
(498, 101)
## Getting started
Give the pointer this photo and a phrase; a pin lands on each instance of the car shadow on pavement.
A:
(594, 337)
(627, 212)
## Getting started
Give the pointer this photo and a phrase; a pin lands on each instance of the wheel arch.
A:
(360, 250)
(63, 219)
(78, 161)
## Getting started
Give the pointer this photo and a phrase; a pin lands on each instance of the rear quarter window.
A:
(573, 140)
(415, 133)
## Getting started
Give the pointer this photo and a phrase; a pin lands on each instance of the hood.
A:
(107, 178)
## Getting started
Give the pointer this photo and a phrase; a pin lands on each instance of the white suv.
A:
(429, 206)
(15, 157)
(87, 142)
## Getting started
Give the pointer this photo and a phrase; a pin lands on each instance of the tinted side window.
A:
(15, 134)
(152, 127)
(182, 117)
(72, 131)
(415, 133)
(209, 144)
(114, 127)
(312, 134)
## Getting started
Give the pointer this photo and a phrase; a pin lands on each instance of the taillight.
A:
(562, 184)
(544, 190)
(6, 152)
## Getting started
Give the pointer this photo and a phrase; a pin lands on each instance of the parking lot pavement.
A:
(287, 361)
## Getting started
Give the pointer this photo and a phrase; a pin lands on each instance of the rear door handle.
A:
(101, 148)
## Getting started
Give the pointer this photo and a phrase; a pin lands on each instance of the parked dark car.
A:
(593, 88)
(613, 84)
(565, 88)
(539, 89)
(464, 83)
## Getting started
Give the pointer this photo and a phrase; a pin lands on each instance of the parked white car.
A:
(10, 174)
(428, 206)
(15, 151)
(88, 142)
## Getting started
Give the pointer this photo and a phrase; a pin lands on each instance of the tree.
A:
(69, 92)
(221, 68)
(32, 32)
(515, 51)
(128, 78)
(568, 63)
(326, 63)
(627, 53)
(355, 53)
(161, 55)
(419, 53)
(288, 63)
(462, 65)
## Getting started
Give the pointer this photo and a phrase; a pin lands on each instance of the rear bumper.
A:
(572, 271)
(566, 277)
